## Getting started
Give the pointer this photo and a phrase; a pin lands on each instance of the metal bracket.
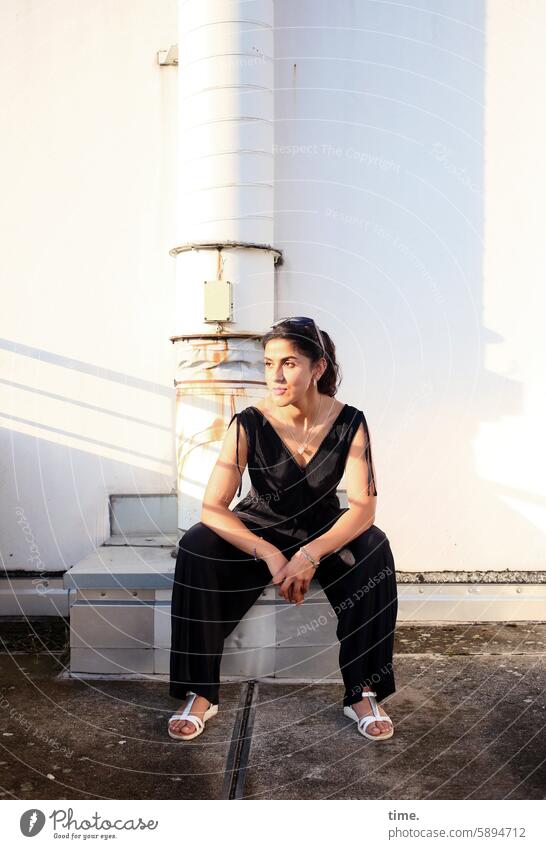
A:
(168, 57)
(222, 246)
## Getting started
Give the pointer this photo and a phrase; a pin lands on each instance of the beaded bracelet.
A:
(255, 554)
(304, 551)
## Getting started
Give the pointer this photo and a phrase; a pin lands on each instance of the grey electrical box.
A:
(218, 303)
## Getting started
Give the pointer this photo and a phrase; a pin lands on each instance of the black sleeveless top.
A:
(285, 495)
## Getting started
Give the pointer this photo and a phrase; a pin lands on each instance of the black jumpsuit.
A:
(216, 583)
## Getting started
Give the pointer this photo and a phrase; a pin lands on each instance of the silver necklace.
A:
(302, 446)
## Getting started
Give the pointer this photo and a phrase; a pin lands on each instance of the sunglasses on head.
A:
(303, 321)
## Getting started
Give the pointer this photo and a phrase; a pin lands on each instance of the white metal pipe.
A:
(225, 102)
(225, 195)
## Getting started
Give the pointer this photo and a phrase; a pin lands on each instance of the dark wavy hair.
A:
(306, 342)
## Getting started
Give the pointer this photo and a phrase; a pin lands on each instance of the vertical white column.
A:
(225, 199)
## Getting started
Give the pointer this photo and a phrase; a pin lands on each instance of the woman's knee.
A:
(372, 546)
(371, 538)
(202, 541)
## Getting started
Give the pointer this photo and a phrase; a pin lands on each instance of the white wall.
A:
(87, 220)
(408, 182)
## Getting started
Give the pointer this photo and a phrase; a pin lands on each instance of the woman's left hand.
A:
(295, 576)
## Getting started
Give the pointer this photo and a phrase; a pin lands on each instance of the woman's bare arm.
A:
(221, 488)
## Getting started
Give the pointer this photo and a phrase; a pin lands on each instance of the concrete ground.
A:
(469, 714)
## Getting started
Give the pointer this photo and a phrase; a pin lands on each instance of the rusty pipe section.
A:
(214, 378)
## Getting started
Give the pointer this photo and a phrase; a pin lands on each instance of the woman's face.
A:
(289, 370)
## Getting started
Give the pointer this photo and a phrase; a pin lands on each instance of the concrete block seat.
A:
(120, 605)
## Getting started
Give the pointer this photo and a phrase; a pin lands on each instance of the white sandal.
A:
(190, 717)
(364, 721)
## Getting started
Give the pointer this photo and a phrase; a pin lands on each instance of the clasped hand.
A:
(294, 577)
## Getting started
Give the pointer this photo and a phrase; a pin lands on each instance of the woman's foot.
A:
(364, 708)
(183, 726)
